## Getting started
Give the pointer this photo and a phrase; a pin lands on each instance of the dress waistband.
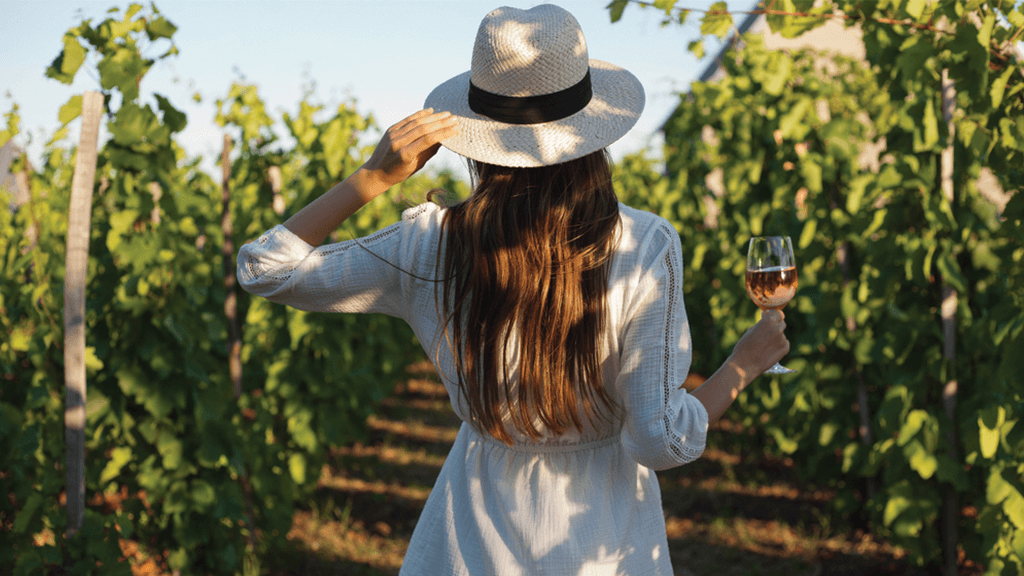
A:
(543, 448)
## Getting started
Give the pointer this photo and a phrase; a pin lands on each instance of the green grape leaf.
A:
(174, 119)
(615, 9)
(920, 460)
(178, 559)
(158, 399)
(778, 74)
(812, 174)
(894, 507)
(123, 69)
(915, 8)
(926, 135)
(855, 192)
(27, 513)
(999, 86)
(335, 144)
(203, 494)
(297, 467)
(915, 420)
(21, 338)
(913, 55)
(92, 362)
(826, 433)
(990, 421)
(997, 488)
(160, 27)
(170, 449)
(717, 20)
(696, 48)
(1013, 507)
(665, 5)
(807, 235)
(66, 64)
(951, 274)
(118, 458)
(299, 426)
(1017, 545)
(786, 444)
(70, 110)
(792, 124)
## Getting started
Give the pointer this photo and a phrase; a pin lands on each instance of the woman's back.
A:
(551, 504)
(579, 502)
(645, 336)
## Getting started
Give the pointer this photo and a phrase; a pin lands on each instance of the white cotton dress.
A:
(585, 504)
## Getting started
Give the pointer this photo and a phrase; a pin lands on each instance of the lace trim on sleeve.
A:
(684, 452)
(416, 211)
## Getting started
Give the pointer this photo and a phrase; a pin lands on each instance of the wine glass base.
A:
(779, 369)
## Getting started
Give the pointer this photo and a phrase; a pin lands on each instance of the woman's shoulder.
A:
(643, 226)
(422, 221)
(425, 210)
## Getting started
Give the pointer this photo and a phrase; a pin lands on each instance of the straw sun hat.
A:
(532, 96)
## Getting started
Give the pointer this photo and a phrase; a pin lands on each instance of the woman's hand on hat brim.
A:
(407, 146)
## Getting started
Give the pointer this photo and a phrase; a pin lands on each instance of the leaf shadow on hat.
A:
(564, 140)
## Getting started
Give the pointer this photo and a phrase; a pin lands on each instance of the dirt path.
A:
(726, 514)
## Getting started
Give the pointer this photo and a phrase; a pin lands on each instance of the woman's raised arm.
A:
(403, 150)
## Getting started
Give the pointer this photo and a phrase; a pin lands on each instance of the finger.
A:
(424, 136)
(415, 115)
(774, 318)
(417, 121)
(402, 125)
(424, 148)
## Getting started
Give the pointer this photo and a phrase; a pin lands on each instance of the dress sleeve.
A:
(664, 425)
(361, 275)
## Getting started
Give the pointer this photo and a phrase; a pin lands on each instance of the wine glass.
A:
(771, 278)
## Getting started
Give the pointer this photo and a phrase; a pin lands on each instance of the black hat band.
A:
(532, 109)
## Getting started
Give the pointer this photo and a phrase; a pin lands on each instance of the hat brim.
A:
(614, 108)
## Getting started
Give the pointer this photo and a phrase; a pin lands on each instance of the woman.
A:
(553, 314)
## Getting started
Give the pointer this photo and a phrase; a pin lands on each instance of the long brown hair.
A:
(526, 266)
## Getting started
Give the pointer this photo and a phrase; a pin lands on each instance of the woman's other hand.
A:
(760, 347)
(764, 344)
(407, 146)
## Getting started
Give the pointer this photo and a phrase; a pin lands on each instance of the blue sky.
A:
(386, 54)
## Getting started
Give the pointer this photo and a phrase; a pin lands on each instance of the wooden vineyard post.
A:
(156, 192)
(276, 181)
(77, 266)
(24, 196)
(948, 310)
(863, 407)
(228, 253)
(231, 312)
